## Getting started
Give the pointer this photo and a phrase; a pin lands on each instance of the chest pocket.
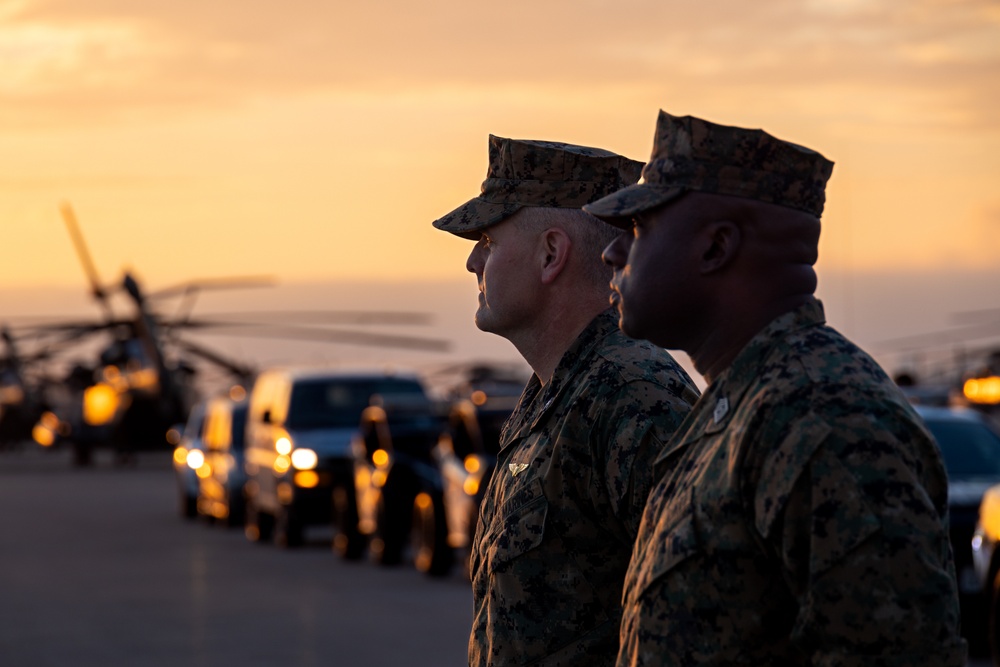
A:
(519, 526)
(674, 541)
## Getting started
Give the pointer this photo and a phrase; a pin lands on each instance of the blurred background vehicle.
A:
(189, 455)
(299, 431)
(466, 455)
(221, 477)
(393, 473)
(970, 447)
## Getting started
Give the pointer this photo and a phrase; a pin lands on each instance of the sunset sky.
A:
(316, 141)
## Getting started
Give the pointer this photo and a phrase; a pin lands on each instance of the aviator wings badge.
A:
(517, 468)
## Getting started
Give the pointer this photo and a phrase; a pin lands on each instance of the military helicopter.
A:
(143, 382)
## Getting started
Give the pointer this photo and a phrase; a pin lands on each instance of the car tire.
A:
(392, 529)
(432, 554)
(236, 512)
(288, 530)
(259, 526)
(188, 506)
(348, 542)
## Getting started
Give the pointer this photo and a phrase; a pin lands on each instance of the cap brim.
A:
(618, 208)
(474, 215)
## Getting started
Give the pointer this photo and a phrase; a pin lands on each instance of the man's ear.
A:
(554, 246)
(721, 241)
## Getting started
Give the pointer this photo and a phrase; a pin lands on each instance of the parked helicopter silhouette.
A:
(142, 383)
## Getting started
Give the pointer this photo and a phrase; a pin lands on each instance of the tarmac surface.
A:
(98, 569)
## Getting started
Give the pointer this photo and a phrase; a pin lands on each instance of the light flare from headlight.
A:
(304, 459)
(195, 459)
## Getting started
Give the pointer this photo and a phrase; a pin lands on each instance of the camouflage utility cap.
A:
(694, 155)
(539, 173)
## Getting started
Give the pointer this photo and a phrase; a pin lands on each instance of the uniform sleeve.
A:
(635, 424)
(856, 516)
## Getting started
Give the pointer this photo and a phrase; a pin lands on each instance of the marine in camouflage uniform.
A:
(801, 514)
(563, 507)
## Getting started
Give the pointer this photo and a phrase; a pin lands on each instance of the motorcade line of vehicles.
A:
(397, 475)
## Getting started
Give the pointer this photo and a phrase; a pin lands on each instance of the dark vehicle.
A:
(189, 456)
(221, 477)
(299, 432)
(970, 447)
(466, 455)
(394, 473)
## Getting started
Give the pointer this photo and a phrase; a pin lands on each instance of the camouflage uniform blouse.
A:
(801, 520)
(564, 504)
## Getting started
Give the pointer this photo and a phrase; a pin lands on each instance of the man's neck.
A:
(545, 347)
(723, 341)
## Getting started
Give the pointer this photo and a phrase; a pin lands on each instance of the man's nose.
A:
(474, 261)
(617, 251)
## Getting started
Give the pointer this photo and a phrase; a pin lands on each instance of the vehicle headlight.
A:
(283, 446)
(195, 459)
(304, 459)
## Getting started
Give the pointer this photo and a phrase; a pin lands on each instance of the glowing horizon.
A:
(318, 143)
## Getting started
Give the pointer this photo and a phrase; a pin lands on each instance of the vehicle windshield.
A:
(338, 403)
(969, 449)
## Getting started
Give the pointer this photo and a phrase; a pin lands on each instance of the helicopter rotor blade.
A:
(191, 286)
(69, 217)
(236, 368)
(346, 336)
(267, 318)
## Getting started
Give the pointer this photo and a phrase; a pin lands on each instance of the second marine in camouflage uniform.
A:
(801, 517)
(563, 507)
(800, 521)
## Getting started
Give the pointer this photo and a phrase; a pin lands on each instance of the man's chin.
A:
(483, 322)
(628, 325)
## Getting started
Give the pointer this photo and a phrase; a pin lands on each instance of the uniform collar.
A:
(536, 400)
(721, 398)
